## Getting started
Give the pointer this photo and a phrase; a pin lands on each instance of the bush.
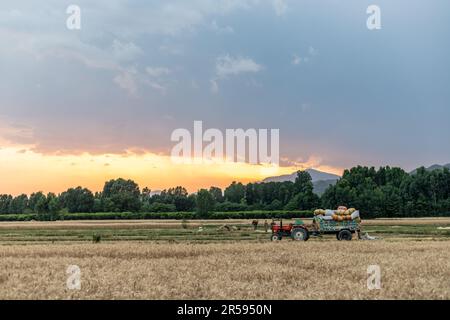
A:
(275, 205)
(161, 207)
(18, 217)
(48, 216)
(230, 206)
(96, 238)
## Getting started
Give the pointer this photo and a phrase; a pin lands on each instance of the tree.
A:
(98, 205)
(216, 194)
(123, 194)
(5, 203)
(205, 202)
(37, 202)
(178, 191)
(78, 200)
(178, 196)
(19, 204)
(53, 204)
(251, 194)
(305, 198)
(378, 192)
(41, 206)
(146, 193)
(235, 192)
(387, 192)
(184, 203)
(303, 182)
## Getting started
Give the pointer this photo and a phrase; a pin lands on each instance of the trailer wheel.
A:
(344, 235)
(275, 237)
(300, 234)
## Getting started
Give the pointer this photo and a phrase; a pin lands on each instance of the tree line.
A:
(392, 192)
(386, 192)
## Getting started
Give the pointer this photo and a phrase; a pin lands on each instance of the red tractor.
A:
(296, 231)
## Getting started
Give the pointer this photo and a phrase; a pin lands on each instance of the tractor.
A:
(296, 231)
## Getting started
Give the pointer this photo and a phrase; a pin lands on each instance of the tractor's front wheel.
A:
(275, 237)
(300, 234)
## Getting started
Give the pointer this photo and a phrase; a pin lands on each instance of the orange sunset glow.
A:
(25, 171)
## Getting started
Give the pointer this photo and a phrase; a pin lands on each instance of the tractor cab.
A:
(279, 227)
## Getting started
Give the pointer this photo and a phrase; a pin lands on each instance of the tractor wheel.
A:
(345, 235)
(275, 237)
(337, 236)
(300, 234)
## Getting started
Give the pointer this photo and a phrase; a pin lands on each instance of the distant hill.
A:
(434, 167)
(321, 180)
(316, 175)
(155, 192)
(321, 185)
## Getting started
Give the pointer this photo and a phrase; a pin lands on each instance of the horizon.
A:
(225, 184)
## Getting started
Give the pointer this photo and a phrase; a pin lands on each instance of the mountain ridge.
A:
(316, 175)
(433, 167)
(321, 180)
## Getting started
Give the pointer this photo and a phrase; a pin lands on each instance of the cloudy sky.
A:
(83, 106)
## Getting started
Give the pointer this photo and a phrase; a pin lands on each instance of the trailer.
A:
(343, 230)
(300, 231)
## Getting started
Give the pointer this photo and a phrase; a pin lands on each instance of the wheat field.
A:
(240, 270)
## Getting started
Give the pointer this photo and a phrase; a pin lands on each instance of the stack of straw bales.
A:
(341, 214)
